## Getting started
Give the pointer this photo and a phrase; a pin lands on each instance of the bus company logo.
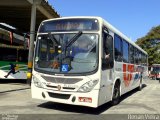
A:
(127, 73)
(59, 87)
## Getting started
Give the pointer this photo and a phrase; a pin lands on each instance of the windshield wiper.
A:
(54, 40)
(73, 40)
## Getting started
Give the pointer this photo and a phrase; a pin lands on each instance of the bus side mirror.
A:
(109, 41)
(109, 37)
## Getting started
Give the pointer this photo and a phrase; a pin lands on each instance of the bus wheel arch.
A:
(116, 92)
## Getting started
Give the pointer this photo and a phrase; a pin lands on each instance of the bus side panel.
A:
(119, 74)
(129, 75)
(105, 93)
(20, 70)
(133, 77)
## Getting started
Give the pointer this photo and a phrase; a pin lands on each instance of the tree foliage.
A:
(151, 44)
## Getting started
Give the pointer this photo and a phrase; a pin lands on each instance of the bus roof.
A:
(107, 24)
(113, 29)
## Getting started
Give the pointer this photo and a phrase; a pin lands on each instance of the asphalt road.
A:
(15, 99)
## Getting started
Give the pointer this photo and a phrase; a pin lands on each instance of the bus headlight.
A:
(87, 87)
(37, 82)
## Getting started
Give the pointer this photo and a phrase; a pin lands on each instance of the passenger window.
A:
(131, 54)
(118, 48)
(136, 55)
(125, 51)
(139, 58)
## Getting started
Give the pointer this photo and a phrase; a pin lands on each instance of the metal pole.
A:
(31, 45)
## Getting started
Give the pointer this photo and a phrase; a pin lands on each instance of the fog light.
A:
(74, 99)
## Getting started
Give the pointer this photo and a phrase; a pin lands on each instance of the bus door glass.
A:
(107, 60)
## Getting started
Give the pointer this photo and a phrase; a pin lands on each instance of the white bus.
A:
(85, 61)
(155, 71)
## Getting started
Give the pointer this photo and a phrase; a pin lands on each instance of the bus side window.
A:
(118, 48)
(107, 61)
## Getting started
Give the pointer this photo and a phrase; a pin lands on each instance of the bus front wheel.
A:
(116, 94)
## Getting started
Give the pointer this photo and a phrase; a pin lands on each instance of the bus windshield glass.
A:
(67, 53)
(69, 25)
(156, 68)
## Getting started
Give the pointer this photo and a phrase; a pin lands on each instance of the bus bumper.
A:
(89, 99)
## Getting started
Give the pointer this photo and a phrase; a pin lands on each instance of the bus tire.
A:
(116, 94)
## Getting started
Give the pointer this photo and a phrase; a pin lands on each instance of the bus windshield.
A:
(156, 68)
(67, 53)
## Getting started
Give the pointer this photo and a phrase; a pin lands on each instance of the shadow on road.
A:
(14, 90)
(131, 92)
(82, 109)
(75, 109)
(4, 81)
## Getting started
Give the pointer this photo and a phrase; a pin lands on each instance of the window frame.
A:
(120, 48)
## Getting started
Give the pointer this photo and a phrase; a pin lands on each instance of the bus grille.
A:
(60, 96)
(61, 80)
(64, 88)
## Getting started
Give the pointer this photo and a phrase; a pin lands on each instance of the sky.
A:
(134, 18)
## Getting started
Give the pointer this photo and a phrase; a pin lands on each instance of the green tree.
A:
(151, 44)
